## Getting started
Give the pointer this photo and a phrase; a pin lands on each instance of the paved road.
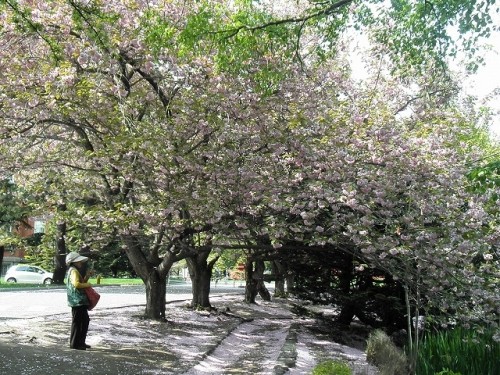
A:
(41, 302)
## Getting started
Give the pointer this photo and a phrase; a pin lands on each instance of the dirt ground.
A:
(237, 338)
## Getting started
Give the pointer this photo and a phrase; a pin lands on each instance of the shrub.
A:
(383, 353)
(332, 368)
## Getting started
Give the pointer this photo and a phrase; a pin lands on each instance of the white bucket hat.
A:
(75, 257)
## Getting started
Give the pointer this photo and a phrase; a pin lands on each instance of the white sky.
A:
(487, 79)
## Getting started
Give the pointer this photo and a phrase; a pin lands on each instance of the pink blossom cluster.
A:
(165, 142)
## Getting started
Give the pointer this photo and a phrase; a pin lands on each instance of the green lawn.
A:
(93, 281)
(113, 281)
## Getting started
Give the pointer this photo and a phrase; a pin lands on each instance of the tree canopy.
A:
(181, 127)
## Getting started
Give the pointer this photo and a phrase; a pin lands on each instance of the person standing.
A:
(77, 299)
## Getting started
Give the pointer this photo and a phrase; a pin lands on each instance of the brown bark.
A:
(153, 271)
(200, 281)
(60, 255)
(345, 279)
(278, 270)
(251, 283)
(200, 272)
(255, 281)
(259, 274)
(290, 282)
(156, 295)
(2, 252)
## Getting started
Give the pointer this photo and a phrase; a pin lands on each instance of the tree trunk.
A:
(2, 252)
(200, 272)
(156, 291)
(200, 281)
(290, 282)
(278, 270)
(255, 282)
(153, 271)
(60, 256)
(259, 275)
(251, 283)
(348, 309)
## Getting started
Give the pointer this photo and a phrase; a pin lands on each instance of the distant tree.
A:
(14, 211)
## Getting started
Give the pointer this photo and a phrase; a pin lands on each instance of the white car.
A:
(25, 273)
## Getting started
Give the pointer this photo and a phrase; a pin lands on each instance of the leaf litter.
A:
(235, 338)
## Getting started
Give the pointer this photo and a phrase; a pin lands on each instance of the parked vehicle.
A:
(25, 273)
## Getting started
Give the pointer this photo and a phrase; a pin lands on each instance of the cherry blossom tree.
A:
(125, 113)
(145, 144)
(81, 104)
(392, 188)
